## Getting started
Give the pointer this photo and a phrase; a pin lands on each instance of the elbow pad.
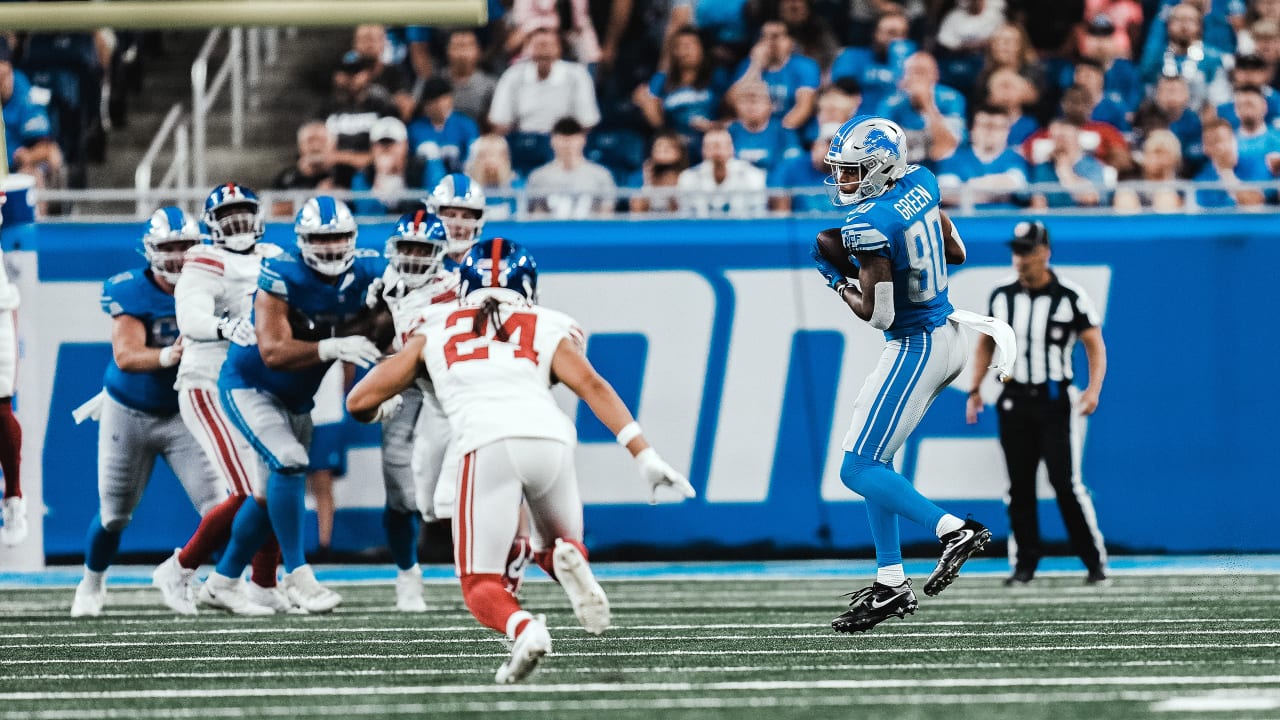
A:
(882, 309)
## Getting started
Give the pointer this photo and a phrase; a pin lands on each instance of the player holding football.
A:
(901, 242)
(491, 360)
(308, 302)
(138, 410)
(214, 298)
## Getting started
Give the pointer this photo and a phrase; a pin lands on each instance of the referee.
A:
(1048, 314)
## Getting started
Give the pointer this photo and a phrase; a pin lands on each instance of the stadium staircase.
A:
(289, 92)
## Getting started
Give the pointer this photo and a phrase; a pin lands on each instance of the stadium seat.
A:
(622, 151)
(528, 151)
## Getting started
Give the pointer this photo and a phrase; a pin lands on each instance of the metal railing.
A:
(178, 176)
(205, 92)
(521, 204)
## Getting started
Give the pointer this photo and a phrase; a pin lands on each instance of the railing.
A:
(205, 92)
(279, 205)
(262, 47)
(178, 176)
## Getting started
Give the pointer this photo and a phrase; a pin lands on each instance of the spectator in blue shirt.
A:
(27, 132)
(792, 79)
(1090, 76)
(685, 98)
(1257, 143)
(439, 137)
(1184, 53)
(1169, 108)
(877, 68)
(1222, 164)
(758, 135)
(1013, 94)
(805, 177)
(986, 167)
(1122, 84)
(1252, 71)
(932, 115)
(1083, 176)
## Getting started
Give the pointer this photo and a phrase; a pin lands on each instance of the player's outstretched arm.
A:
(368, 400)
(573, 369)
(280, 350)
(129, 347)
(952, 245)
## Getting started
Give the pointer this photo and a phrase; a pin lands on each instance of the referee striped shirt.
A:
(1047, 321)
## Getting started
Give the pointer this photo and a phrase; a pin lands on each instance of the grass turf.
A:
(1147, 646)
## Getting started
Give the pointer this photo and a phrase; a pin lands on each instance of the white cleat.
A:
(225, 593)
(15, 521)
(272, 597)
(409, 590)
(590, 604)
(304, 590)
(90, 597)
(527, 650)
(174, 582)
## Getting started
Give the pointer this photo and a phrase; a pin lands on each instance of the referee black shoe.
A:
(957, 547)
(872, 605)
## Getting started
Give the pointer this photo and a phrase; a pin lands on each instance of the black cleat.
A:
(1097, 578)
(957, 547)
(1019, 578)
(872, 605)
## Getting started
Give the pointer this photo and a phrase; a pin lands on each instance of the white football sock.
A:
(948, 524)
(891, 575)
(95, 579)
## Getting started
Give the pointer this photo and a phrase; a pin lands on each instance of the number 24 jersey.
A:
(491, 389)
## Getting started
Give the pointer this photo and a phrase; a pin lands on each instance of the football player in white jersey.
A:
(14, 511)
(214, 298)
(491, 360)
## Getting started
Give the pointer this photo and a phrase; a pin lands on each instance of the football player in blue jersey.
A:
(138, 410)
(309, 311)
(896, 242)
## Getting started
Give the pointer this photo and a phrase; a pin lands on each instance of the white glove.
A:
(374, 293)
(355, 349)
(388, 409)
(660, 474)
(238, 330)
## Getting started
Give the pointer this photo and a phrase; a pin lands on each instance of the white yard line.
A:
(1217, 703)
(666, 687)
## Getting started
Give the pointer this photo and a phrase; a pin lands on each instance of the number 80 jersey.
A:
(904, 225)
(492, 389)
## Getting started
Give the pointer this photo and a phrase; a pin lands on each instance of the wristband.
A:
(629, 432)
(166, 357)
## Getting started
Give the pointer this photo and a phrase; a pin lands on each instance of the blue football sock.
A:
(879, 484)
(884, 531)
(101, 545)
(402, 537)
(286, 501)
(248, 531)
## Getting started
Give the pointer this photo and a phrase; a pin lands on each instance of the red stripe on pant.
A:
(465, 490)
(237, 478)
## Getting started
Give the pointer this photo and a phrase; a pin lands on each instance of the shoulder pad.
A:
(366, 253)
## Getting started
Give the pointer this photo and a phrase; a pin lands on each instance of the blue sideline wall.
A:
(743, 368)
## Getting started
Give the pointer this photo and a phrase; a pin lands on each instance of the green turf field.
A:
(1148, 646)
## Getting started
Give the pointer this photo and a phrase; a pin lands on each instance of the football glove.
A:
(659, 474)
(238, 330)
(833, 276)
(374, 293)
(388, 409)
(355, 349)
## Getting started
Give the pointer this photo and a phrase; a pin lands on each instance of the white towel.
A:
(91, 409)
(999, 330)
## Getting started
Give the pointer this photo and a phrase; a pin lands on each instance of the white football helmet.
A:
(170, 232)
(872, 148)
(326, 233)
(234, 217)
(459, 191)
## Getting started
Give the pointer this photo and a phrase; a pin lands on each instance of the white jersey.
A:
(408, 306)
(215, 283)
(492, 389)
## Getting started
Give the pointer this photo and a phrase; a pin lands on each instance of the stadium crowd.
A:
(562, 103)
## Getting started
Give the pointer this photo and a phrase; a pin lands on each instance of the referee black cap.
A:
(1029, 235)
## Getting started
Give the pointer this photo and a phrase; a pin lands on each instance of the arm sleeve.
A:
(860, 236)
(272, 281)
(193, 298)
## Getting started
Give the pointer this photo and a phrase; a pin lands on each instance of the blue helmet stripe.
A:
(328, 209)
(173, 215)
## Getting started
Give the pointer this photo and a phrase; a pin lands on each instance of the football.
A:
(832, 248)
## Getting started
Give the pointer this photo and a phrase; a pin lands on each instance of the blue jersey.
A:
(317, 310)
(441, 150)
(905, 226)
(135, 293)
(765, 149)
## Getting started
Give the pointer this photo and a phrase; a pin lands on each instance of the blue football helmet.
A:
(326, 233)
(874, 150)
(234, 217)
(417, 247)
(501, 268)
(169, 233)
(456, 190)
